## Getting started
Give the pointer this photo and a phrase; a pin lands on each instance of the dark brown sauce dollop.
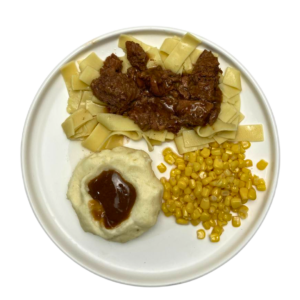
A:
(115, 194)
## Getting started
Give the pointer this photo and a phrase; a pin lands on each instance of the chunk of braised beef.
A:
(160, 82)
(214, 113)
(152, 113)
(193, 113)
(136, 55)
(207, 65)
(113, 63)
(134, 74)
(115, 89)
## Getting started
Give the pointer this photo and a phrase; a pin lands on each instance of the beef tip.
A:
(160, 82)
(134, 74)
(203, 88)
(214, 113)
(115, 89)
(136, 55)
(207, 65)
(193, 113)
(113, 63)
(152, 113)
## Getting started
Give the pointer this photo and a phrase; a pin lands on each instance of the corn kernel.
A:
(181, 184)
(192, 184)
(189, 207)
(205, 217)
(227, 201)
(236, 148)
(195, 176)
(188, 171)
(205, 192)
(182, 221)
(243, 215)
(262, 165)
(205, 152)
(192, 157)
(205, 203)
(218, 229)
(169, 159)
(164, 208)
(236, 202)
(244, 177)
(214, 237)
(227, 217)
(246, 144)
(206, 225)
(248, 163)
(202, 174)
(168, 214)
(261, 187)
(162, 168)
(181, 166)
(195, 222)
(216, 151)
(195, 214)
(172, 181)
(178, 213)
(218, 163)
(187, 198)
(252, 194)
(206, 180)
(187, 191)
(236, 221)
(244, 193)
(200, 234)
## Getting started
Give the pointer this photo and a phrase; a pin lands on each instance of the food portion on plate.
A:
(116, 194)
(211, 186)
(173, 94)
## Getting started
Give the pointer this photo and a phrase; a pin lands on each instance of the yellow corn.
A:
(236, 202)
(244, 193)
(162, 168)
(261, 187)
(181, 166)
(178, 213)
(252, 194)
(182, 221)
(218, 163)
(188, 171)
(214, 237)
(169, 159)
(209, 185)
(200, 234)
(172, 181)
(236, 221)
(261, 165)
(182, 184)
(246, 144)
(205, 203)
(205, 152)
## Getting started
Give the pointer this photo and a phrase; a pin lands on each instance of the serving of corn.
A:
(211, 186)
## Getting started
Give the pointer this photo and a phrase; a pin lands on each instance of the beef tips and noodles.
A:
(159, 99)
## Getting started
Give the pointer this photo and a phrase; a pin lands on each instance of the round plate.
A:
(167, 253)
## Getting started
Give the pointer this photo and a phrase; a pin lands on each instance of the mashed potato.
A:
(135, 168)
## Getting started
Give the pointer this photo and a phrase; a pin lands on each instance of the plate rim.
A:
(30, 194)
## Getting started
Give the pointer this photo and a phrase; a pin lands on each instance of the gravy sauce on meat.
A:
(159, 99)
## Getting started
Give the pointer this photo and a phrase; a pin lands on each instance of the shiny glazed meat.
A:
(159, 99)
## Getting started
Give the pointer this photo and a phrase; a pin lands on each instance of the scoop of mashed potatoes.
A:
(135, 167)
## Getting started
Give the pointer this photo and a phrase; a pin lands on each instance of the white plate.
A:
(167, 253)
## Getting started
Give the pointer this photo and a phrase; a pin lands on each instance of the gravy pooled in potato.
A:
(116, 194)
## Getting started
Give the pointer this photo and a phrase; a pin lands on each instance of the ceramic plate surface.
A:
(167, 253)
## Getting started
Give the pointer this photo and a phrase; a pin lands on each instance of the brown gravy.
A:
(116, 196)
